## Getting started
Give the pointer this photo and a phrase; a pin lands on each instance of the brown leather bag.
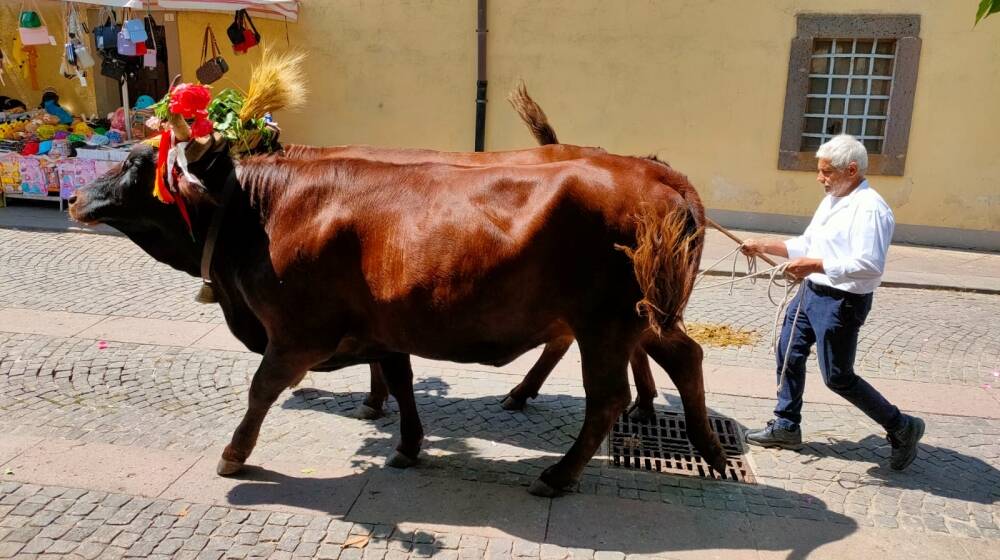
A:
(212, 68)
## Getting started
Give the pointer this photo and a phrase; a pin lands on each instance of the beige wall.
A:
(74, 97)
(701, 84)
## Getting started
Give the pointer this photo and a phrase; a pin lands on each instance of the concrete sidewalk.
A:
(154, 502)
(908, 266)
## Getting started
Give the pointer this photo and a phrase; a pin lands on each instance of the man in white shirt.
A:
(841, 257)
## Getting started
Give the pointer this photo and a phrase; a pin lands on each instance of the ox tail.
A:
(666, 258)
(532, 115)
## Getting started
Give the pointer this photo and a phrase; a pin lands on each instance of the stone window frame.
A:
(905, 29)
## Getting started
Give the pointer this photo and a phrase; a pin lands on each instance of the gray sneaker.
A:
(774, 436)
(904, 443)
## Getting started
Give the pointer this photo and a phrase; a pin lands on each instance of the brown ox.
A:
(555, 349)
(535, 119)
(326, 263)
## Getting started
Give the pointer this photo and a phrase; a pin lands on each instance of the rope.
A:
(776, 278)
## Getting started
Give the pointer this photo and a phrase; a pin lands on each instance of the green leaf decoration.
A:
(987, 7)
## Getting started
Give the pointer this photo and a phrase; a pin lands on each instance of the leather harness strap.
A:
(213, 230)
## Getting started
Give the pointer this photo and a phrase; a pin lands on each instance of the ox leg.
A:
(277, 371)
(605, 381)
(554, 350)
(372, 407)
(681, 357)
(399, 378)
(645, 388)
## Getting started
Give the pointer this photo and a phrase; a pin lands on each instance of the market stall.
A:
(47, 151)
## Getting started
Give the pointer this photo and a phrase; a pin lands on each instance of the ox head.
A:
(123, 199)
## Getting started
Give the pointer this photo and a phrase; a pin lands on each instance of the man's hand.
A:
(752, 247)
(803, 266)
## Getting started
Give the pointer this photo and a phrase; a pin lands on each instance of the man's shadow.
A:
(938, 470)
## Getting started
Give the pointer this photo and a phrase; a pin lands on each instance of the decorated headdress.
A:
(242, 121)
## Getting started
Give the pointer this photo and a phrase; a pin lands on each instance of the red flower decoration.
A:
(201, 127)
(190, 100)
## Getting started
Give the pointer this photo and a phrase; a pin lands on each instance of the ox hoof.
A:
(512, 403)
(228, 468)
(541, 489)
(642, 415)
(400, 461)
(365, 412)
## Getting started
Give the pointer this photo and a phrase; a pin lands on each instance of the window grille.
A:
(850, 82)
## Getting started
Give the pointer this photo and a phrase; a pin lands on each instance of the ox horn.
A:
(182, 132)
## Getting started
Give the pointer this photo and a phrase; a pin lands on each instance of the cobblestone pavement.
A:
(922, 335)
(53, 521)
(71, 388)
(175, 398)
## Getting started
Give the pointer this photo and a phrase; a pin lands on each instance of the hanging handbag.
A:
(124, 45)
(242, 32)
(212, 68)
(32, 29)
(83, 58)
(112, 68)
(106, 35)
(29, 18)
(134, 29)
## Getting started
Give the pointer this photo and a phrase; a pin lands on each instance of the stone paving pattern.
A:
(921, 335)
(177, 398)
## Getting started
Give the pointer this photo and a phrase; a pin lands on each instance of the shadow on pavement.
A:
(938, 470)
(475, 440)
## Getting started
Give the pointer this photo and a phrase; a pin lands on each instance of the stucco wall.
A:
(701, 84)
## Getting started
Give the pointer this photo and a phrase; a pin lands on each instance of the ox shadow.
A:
(480, 458)
(414, 505)
(938, 470)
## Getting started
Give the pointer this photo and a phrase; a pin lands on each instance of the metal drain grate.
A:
(662, 446)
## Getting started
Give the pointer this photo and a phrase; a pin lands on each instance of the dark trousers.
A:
(830, 319)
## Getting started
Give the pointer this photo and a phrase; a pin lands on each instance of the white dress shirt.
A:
(851, 234)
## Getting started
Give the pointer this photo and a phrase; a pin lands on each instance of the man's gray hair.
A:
(841, 150)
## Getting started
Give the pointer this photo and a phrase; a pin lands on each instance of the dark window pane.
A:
(873, 146)
(856, 107)
(814, 125)
(839, 86)
(882, 67)
(854, 126)
(820, 66)
(878, 106)
(887, 46)
(842, 66)
(836, 106)
(816, 105)
(822, 46)
(817, 85)
(863, 46)
(809, 144)
(834, 126)
(875, 127)
(859, 86)
(880, 87)
(860, 66)
(842, 46)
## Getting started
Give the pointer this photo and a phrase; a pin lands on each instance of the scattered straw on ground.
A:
(711, 334)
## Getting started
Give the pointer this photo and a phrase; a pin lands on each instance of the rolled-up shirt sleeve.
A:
(797, 246)
(870, 237)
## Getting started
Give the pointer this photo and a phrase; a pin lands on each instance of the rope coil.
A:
(777, 277)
